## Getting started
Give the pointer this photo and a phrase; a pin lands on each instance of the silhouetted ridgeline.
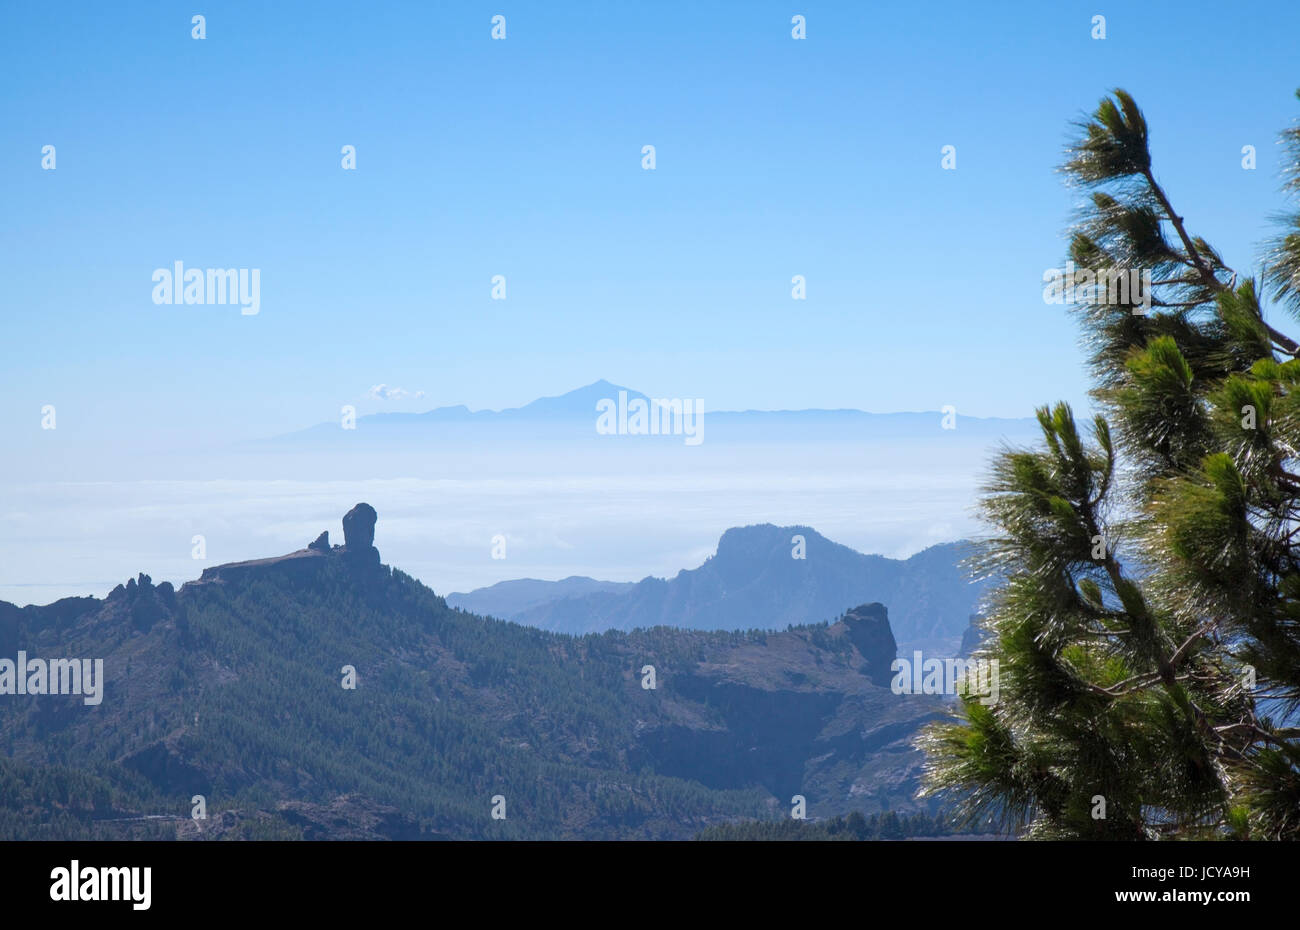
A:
(754, 580)
(232, 688)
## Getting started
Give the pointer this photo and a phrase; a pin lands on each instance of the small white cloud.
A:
(384, 392)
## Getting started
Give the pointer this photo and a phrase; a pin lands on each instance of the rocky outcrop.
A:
(359, 551)
(868, 630)
(145, 603)
(359, 535)
(359, 527)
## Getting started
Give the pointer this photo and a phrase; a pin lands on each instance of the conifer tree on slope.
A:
(1163, 675)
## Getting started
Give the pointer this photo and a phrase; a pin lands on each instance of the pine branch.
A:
(1208, 278)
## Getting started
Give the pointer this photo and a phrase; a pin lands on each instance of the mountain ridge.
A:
(579, 405)
(230, 687)
(753, 580)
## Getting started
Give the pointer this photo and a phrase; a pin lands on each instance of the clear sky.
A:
(522, 158)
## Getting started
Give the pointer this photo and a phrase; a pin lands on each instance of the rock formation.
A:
(359, 527)
(359, 553)
(868, 630)
(359, 534)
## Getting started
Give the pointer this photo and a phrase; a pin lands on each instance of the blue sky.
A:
(523, 158)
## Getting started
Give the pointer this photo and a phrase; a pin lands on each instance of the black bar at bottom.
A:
(641, 880)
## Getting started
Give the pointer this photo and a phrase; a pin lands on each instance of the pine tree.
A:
(1147, 627)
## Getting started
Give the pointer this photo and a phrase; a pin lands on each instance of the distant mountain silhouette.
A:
(235, 687)
(574, 413)
(576, 403)
(754, 582)
(507, 599)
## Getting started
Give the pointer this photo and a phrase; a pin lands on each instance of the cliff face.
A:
(868, 629)
(234, 688)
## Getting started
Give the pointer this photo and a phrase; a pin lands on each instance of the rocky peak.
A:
(869, 631)
(359, 533)
(358, 552)
(359, 527)
(144, 602)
